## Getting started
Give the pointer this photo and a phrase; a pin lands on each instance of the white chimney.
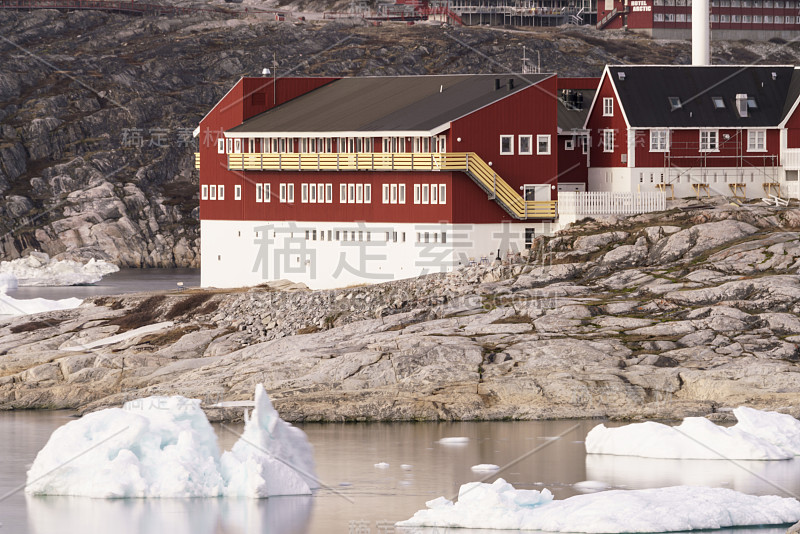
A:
(701, 33)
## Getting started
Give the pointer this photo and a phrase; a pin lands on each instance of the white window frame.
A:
(442, 193)
(659, 140)
(510, 139)
(290, 193)
(328, 194)
(220, 192)
(434, 194)
(229, 146)
(359, 193)
(417, 193)
(320, 193)
(304, 193)
(212, 192)
(312, 193)
(539, 139)
(351, 193)
(569, 144)
(401, 194)
(367, 196)
(522, 151)
(608, 135)
(343, 193)
(706, 145)
(237, 192)
(426, 197)
(252, 145)
(385, 194)
(267, 196)
(393, 194)
(237, 146)
(220, 145)
(204, 192)
(259, 193)
(283, 192)
(608, 106)
(757, 140)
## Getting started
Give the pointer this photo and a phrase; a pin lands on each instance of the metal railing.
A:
(468, 162)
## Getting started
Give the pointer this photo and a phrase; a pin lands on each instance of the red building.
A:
(730, 19)
(576, 96)
(695, 130)
(334, 181)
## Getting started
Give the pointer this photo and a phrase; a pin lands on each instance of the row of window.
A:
(329, 145)
(758, 4)
(726, 19)
(323, 193)
(361, 236)
(525, 145)
(212, 192)
(708, 141)
(706, 178)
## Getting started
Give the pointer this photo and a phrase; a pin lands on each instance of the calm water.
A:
(359, 496)
(124, 281)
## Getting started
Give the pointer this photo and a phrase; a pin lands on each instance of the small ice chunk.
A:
(485, 467)
(779, 429)
(406, 467)
(382, 465)
(458, 440)
(590, 486)
(500, 506)
(38, 269)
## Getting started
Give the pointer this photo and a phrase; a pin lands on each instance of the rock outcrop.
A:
(561, 331)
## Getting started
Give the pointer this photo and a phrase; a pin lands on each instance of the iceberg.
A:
(757, 436)
(165, 447)
(500, 506)
(38, 269)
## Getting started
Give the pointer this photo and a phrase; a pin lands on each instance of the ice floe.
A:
(456, 440)
(758, 436)
(500, 506)
(38, 269)
(485, 468)
(165, 447)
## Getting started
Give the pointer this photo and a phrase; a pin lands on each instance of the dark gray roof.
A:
(645, 91)
(381, 103)
(570, 118)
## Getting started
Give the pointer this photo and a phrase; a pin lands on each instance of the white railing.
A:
(608, 203)
(791, 158)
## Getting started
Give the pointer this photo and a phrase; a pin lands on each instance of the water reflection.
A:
(748, 476)
(79, 515)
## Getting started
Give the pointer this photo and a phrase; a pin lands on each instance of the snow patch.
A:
(758, 436)
(38, 269)
(165, 447)
(500, 506)
(130, 334)
(12, 306)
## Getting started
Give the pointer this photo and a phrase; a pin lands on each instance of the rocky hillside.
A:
(97, 109)
(687, 312)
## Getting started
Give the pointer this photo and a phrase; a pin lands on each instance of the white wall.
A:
(238, 253)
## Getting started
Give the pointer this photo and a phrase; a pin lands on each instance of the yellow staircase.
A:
(467, 162)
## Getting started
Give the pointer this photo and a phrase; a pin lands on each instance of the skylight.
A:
(719, 102)
(621, 75)
(751, 102)
(674, 102)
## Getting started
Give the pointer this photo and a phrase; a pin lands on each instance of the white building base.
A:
(332, 255)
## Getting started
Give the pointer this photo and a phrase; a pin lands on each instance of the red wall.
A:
(234, 108)
(376, 211)
(597, 122)
(533, 111)
(686, 143)
(572, 164)
(793, 130)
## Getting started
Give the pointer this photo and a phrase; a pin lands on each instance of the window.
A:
(569, 144)
(351, 193)
(658, 17)
(724, 18)
(290, 192)
(718, 101)
(416, 193)
(708, 141)
(204, 192)
(525, 142)
(507, 145)
(359, 193)
(658, 140)
(283, 193)
(221, 192)
(320, 193)
(220, 146)
(608, 107)
(670, 17)
(304, 193)
(237, 145)
(367, 193)
(442, 195)
(674, 102)
(751, 102)
(229, 146)
(756, 140)
(425, 193)
(237, 192)
(212, 195)
(401, 194)
(434, 194)
(259, 192)
(393, 194)
(328, 194)
(267, 196)
(542, 145)
(608, 140)
(343, 193)
(585, 144)
(312, 193)
(385, 195)
(252, 146)
(757, 19)
(680, 17)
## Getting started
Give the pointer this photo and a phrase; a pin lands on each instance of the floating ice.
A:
(12, 306)
(758, 436)
(485, 467)
(406, 467)
(588, 486)
(458, 440)
(165, 447)
(382, 465)
(38, 269)
(500, 506)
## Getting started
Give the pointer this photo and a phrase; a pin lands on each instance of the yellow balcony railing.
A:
(468, 162)
(197, 160)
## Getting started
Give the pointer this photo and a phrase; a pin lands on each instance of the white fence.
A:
(607, 203)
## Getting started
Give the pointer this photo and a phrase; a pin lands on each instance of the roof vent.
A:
(774, 76)
(511, 84)
(621, 75)
(741, 104)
